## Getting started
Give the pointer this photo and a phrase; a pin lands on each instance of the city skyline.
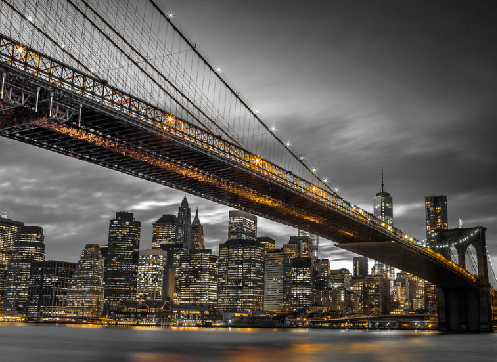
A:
(73, 201)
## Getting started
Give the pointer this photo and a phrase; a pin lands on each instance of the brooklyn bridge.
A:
(123, 86)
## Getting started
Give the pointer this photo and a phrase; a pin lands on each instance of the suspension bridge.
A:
(120, 84)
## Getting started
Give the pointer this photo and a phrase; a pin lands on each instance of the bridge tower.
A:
(465, 309)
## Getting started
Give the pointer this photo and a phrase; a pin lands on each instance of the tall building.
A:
(301, 295)
(304, 245)
(122, 259)
(85, 292)
(197, 233)
(150, 279)
(370, 294)
(436, 216)
(184, 225)
(242, 226)
(268, 243)
(9, 232)
(314, 243)
(164, 231)
(197, 277)
(383, 209)
(240, 284)
(360, 266)
(28, 248)
(277, 281)
(47, 293)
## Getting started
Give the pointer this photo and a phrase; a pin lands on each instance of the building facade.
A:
(196, 277)
(85, 293)
(314, 243)
(47, 293)
(360, 267)
(122, 259)
(242, 226)
(150, 277)
(240, 284)
(28, 248)
(164, 231)
(436, 216)
(9, 232)
(197, 233)
(301, 295)
(184, 225)
(277, 281)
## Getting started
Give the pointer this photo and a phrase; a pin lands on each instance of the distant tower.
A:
(164, 231)
(383, 209)
(184, 226)
(122, 259)
(197, 233)
(9, 232)
(242, 226)
(360, 266)
(436, 216)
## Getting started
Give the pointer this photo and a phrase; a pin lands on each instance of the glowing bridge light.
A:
(30, 18)
(218, 69)
(170, 15)
(301, 157)
(273, 128)
(288, 143)
(325, 180)
(256, 111)
(20, 50)
(314, 169)
(336, 189)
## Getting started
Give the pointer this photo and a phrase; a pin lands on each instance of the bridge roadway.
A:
(56, 107)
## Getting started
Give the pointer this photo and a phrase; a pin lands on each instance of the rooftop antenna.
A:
(382, 184)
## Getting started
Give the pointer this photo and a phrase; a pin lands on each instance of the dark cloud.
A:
(409, 83)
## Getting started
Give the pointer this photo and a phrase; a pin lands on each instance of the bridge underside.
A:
(402, 257)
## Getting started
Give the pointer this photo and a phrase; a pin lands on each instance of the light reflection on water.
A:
(74, 343)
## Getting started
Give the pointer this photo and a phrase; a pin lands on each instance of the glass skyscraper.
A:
(184, 225)
(122, 259)
(164, 231)
(9, 231)
(151, 268)
(85, 293)
(242, 226)
(436, 216)
(197, 233)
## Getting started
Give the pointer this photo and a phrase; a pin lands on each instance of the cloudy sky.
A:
(411, 83)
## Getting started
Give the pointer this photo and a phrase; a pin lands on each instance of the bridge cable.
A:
(194, 48)
(153, 67)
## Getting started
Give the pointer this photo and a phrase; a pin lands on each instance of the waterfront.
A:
(27, 342)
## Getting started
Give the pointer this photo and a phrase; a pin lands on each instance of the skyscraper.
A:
(122, 259)
(314, 243)
(85, 292)
(184, 225)
(304, 245)
(268, 243)
(360, 266)
(240, 284)
(151, 268)
(164, 231)
(242, 226)
(383, 209)
(28, 248)
(197, 277)
(197, 233)
(277, 281)
(301, 295)
(9, 231)
(47, 293)
(436, 216)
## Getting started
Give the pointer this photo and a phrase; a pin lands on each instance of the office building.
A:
(268, 243)
(9, 231)
(196, 277)
(184, 225)
(85, 293)
(436, 217)
(122, 259)
(301, 295)
(314, 239)
(277, 281)
(240, 284)
(151, 270)
(360, 267)
(197, 233)
(242, 226)
(28, 247)
(370, 295)
(164, 231)
(304, 245)
(47, 292)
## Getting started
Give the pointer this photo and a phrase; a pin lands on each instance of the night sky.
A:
(351, 84)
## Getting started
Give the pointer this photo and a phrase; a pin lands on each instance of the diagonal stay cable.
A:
(194, 48)
(149, 64)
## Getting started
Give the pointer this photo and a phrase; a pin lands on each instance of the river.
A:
(75, 343)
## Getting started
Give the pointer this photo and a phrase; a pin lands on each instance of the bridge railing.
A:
(61, 76)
